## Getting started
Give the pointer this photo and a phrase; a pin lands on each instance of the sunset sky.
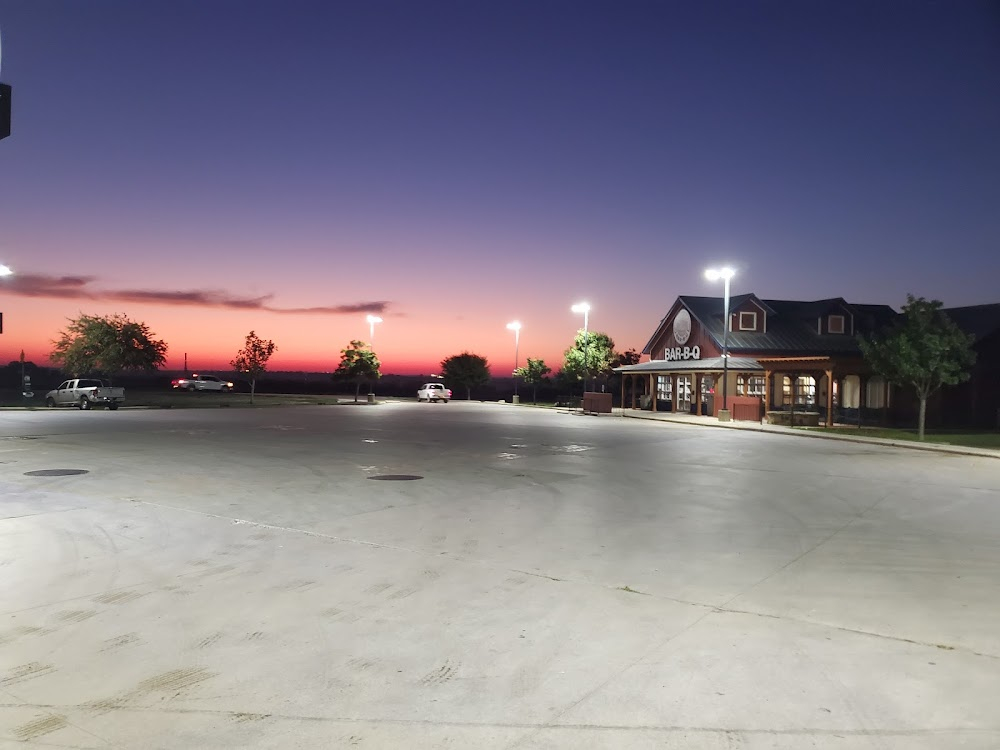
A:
(289, 167)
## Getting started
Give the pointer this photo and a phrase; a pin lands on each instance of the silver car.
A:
(201, 383)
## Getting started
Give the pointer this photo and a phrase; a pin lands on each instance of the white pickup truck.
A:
(85, 393)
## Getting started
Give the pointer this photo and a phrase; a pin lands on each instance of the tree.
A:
(358, 364)
(533, 373)
(252, 359)
(107, 344)
(467, 370)
(599, 350)
(923, 348)
(621, 359)
(631, 357)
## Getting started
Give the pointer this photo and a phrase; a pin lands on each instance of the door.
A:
(65, 394)
(683, 396)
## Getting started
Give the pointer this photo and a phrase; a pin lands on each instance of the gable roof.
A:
(791, 324)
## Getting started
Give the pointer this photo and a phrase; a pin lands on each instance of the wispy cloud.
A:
(82, 287)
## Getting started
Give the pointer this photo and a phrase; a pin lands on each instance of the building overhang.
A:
(709, 364)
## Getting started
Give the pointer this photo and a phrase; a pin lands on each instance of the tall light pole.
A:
(516, 328)
(372, 320)
(583, 307)
(714, 274)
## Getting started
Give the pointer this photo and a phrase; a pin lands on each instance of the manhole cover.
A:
(396, 477)
(55, 472)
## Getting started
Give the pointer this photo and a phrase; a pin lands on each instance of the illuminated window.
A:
(740, 385)
(805, 391)
(664, 387)
(748, 321)
(875, 393)
(756, 385)
(851, 392)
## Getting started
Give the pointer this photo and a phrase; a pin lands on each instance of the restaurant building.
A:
(788, 360)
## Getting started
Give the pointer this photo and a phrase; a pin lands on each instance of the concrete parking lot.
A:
(255, 578)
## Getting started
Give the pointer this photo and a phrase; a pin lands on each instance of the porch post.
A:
(697, 390)
(652, 390)
(829, 398)
(622, 402)
(768, 398)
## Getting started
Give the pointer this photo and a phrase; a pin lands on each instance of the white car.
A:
(201, 383)
(433, 392)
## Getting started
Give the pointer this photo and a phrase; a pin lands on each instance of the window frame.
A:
(843, 324)
(739, 320)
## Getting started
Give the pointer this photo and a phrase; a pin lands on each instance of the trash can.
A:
(371, 398)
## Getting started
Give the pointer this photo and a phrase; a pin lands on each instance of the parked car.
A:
(201, 383)
(433, 392)
(85, 393)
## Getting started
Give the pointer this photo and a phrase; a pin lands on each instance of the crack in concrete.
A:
(671, 728)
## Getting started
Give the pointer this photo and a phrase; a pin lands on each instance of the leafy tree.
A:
(621, 359)
(107, 344)
(924, 349)
(599, 350)
(631, 357)
(252, 359)
(533, 373)
(467, 370)
(358, 364)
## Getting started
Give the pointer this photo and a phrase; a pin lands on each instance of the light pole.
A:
(714, 274)
(516, 328)
(583, 307)
(372, 320)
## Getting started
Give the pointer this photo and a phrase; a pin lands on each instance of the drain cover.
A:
(55, 472)
(396, 477)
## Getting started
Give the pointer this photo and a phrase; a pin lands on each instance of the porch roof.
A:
(799, 363)
(709, 364)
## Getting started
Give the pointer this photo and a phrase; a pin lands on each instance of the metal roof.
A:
(709, 364)
(791, 325)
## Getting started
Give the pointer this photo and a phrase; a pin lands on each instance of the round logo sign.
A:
(682, 327)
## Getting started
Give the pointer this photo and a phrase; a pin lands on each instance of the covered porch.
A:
(692, 386)
(839, 390)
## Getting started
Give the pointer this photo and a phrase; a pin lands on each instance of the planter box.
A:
(802, 418)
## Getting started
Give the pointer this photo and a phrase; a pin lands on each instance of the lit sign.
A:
(682, 352)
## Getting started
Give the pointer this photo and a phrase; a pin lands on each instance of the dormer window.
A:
(835, 324)
(748, 321)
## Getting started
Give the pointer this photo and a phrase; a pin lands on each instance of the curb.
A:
(957, 450)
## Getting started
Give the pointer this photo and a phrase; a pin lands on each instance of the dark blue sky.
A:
(497, 159)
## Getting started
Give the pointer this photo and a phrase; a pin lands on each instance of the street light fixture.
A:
(372, 320)
(583, 307)
(516, 328)
(714, 274)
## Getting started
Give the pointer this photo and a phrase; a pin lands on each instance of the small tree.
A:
(252, 359)
(107, 344)
(924, 348)
(533, 373)
(621, 359)
(358, 364)
(467, 370)
(599, 351)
